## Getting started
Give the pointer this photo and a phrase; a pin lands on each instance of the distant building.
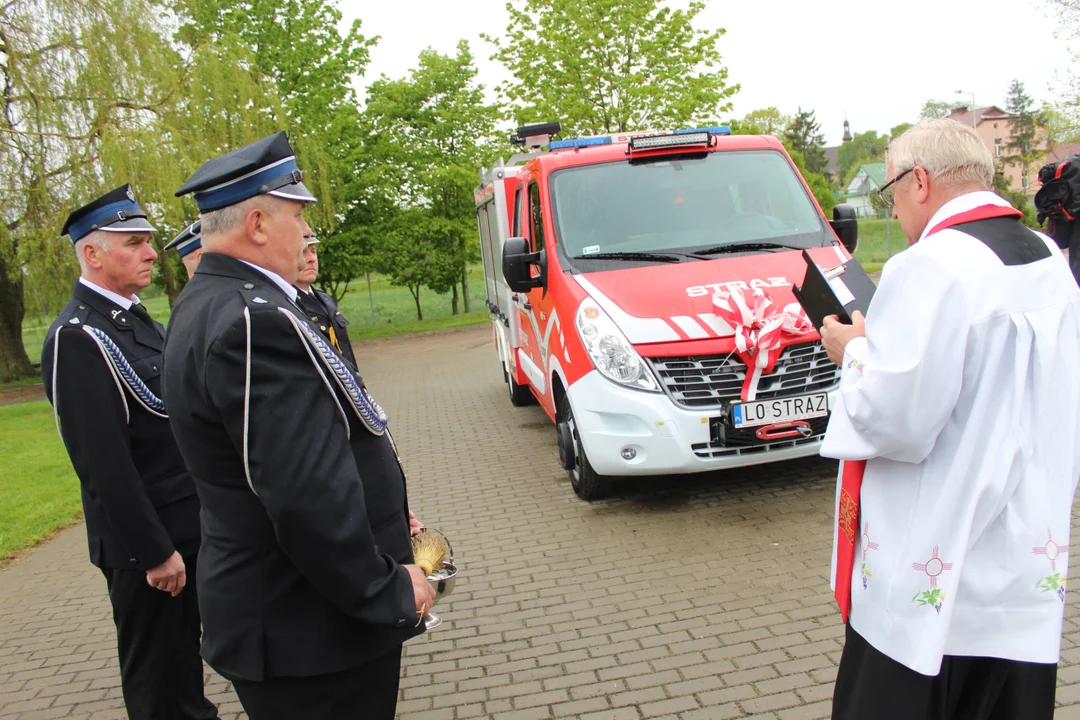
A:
(833, 168)
(860, 192)
(992, 125)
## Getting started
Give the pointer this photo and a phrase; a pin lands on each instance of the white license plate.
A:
(765, 412)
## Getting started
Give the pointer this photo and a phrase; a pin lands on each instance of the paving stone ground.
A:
(702, 597)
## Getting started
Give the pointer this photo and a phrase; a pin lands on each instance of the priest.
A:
(957, 421)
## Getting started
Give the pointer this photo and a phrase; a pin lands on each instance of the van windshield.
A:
(687, 203)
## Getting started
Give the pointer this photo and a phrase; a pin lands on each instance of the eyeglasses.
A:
(885, 194)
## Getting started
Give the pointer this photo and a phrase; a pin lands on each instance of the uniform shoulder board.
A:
(78, 316)
(256, 298)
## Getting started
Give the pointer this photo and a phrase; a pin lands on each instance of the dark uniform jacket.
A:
(305, 525)
(138, 498)
(323, 313)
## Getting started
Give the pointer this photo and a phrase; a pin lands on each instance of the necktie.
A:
(140, 312)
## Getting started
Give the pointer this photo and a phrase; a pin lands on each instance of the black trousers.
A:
(872, 686)
(365, 692)
(158, 637)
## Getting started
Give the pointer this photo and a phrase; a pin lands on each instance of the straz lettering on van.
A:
(703, 290)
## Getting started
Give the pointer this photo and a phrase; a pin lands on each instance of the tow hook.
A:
(783, 431)
(566, 445)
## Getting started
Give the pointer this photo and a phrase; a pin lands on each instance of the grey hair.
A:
(98, 238)
(222, 220)
(950, 152)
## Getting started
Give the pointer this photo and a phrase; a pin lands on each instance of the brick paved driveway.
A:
(691, 598)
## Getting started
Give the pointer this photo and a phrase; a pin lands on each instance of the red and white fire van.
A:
(639, 287)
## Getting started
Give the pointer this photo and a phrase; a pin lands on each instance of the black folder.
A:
(820, 300)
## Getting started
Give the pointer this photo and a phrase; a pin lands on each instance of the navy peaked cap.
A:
(265, 167)
(115, 211)
(189, 240)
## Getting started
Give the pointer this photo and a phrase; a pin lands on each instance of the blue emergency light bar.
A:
(578, 143)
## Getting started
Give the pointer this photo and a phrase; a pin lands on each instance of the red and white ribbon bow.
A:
(759, 326)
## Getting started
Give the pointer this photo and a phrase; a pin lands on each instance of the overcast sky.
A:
(875, 63)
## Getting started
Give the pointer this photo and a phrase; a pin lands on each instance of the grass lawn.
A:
(878, 241)
(39, 493)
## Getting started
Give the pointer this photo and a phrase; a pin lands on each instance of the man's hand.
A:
(423, 593)
(415, 526)
(170, 576)
(836, 335)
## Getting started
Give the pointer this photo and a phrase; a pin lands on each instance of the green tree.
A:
(297, 47)
(819, 186)
(769, 121)
(804, 136)
(430, 133)
(1025, 149)
(602, 66)
(866, 147)
(936, 109)
(77, 78)
(899, 130)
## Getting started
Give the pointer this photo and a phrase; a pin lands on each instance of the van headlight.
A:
(611, 352)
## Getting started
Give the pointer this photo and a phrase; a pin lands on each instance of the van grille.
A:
(708, 381)
(712, 450)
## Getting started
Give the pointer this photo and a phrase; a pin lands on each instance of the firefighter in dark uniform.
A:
(320, 307)
(305, 574)
(188, 246)
(101, 366)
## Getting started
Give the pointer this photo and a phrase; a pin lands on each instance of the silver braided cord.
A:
(370, 413)
(131, 379)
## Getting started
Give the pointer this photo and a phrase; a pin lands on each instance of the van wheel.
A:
(587, 483)
(520, 395)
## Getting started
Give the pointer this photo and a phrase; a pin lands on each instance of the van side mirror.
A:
(845, 224)
(517, 261)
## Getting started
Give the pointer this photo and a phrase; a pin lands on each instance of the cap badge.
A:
(258, 300)
(130, 195)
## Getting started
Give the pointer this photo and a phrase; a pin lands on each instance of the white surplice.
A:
(964, 397)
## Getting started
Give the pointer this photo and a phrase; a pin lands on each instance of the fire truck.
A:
(640, 290)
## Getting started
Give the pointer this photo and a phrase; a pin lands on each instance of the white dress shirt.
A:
(120, 300)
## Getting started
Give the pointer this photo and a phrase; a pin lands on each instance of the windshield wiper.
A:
(740, 247)
(641, 255)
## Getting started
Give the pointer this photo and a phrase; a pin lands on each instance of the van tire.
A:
(587, 483)
(520, 395)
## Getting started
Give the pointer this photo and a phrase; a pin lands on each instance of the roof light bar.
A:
(698, 137)
(578, 143)
(714, 130)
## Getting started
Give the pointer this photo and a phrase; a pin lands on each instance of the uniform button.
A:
(323, 328)
(314, 318)
(82, 307)
(154, 366)
(249, 286)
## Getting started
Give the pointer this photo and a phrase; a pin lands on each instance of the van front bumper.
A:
(629, 432)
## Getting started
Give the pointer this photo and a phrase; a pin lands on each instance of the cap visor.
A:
(131, 225)
(296, 191)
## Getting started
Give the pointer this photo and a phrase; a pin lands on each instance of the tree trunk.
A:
(454, 301)
(415, 290)
(465, 287)
(14, 363)
(168, 274)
